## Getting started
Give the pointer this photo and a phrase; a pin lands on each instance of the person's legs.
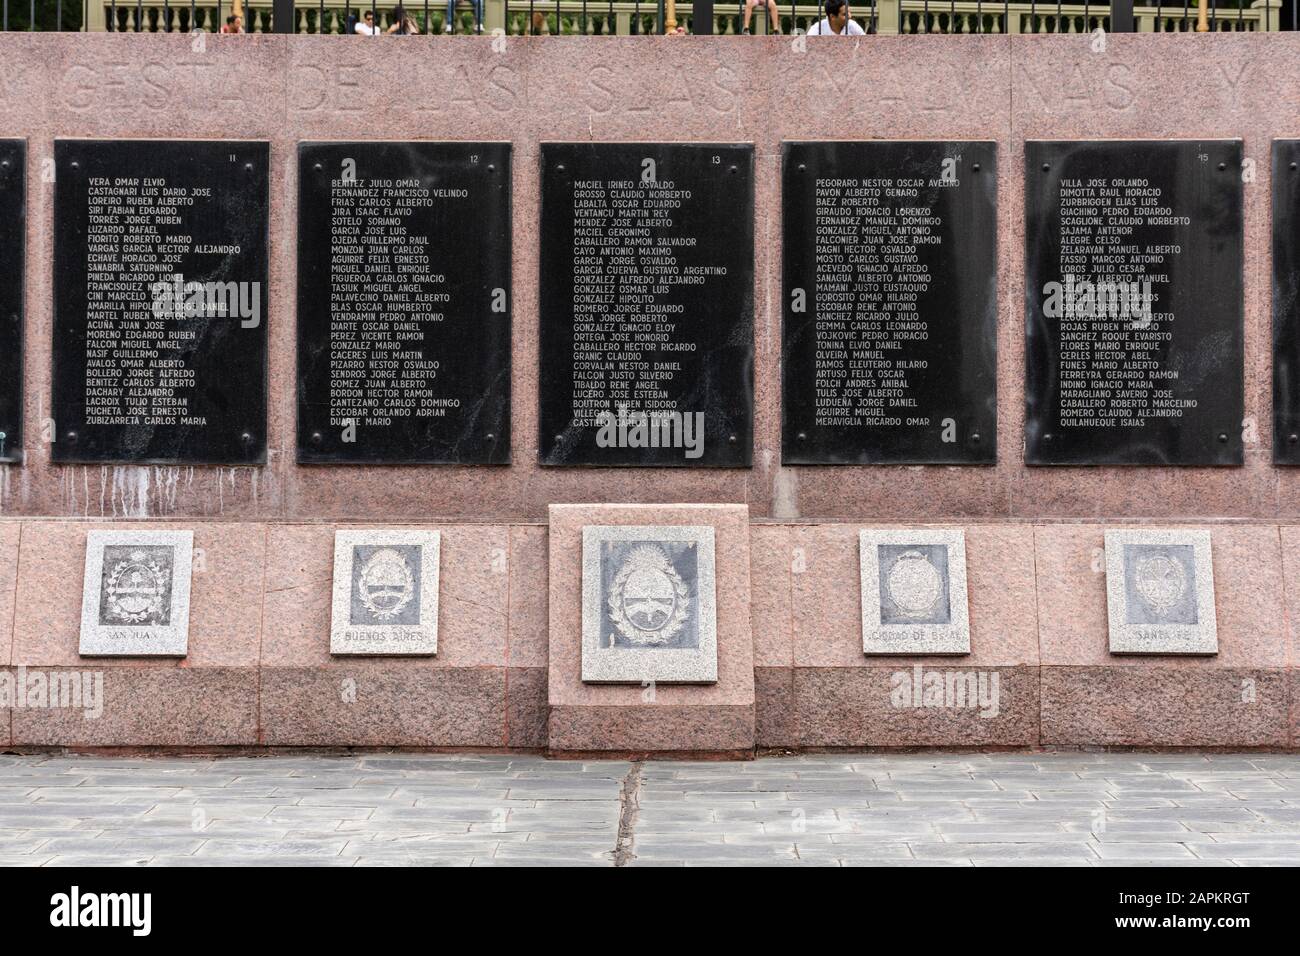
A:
(773, 17)
(448, 26)
(478, 16)
(749, 12)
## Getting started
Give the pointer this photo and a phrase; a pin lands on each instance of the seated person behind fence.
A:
(773, 17)
(476, 5)
(368, 28)
(403, 22)
(234, 24)
(838, 22)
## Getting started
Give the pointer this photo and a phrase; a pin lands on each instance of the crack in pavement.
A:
(628, 807)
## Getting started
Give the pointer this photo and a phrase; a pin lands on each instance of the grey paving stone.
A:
(1008, 851)
(504, 810)
(1144, 851)
(96, 859)
(221, 846)
(287, 860)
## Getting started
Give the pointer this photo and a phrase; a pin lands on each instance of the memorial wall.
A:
(688, 396)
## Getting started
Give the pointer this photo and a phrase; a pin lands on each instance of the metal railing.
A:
(632, 17)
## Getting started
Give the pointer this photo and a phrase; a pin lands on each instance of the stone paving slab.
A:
(1040, 809)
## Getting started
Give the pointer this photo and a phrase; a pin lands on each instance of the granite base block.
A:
(711, 718)
(936, 704)
(1293, 740)
(383, 704)
(1165, 707)
(6, 737)
(526, 708)
(775, 726)
(148, 707)
(713, 729)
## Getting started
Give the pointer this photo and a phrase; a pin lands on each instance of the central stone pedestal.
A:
(643, 609)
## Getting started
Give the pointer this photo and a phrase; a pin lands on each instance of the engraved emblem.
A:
(1161, 581)
(386, 584)
(914, 584)
(648, 602)
(135, 589)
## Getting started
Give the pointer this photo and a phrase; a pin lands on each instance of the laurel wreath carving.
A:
(1149, 582)
(134, 617)
(648, 557)
(408, 585)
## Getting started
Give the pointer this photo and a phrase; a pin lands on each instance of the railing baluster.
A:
(161, 17)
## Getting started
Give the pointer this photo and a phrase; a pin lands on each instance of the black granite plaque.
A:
(160, 301)
(1133, 303)
(13, 220)
(404, 303)
(889, 303)
(1286, 301)
(647, 304)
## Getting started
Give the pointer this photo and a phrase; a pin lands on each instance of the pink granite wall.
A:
(791, 675)
(592, 718)
(743, 89)
(259, 670)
